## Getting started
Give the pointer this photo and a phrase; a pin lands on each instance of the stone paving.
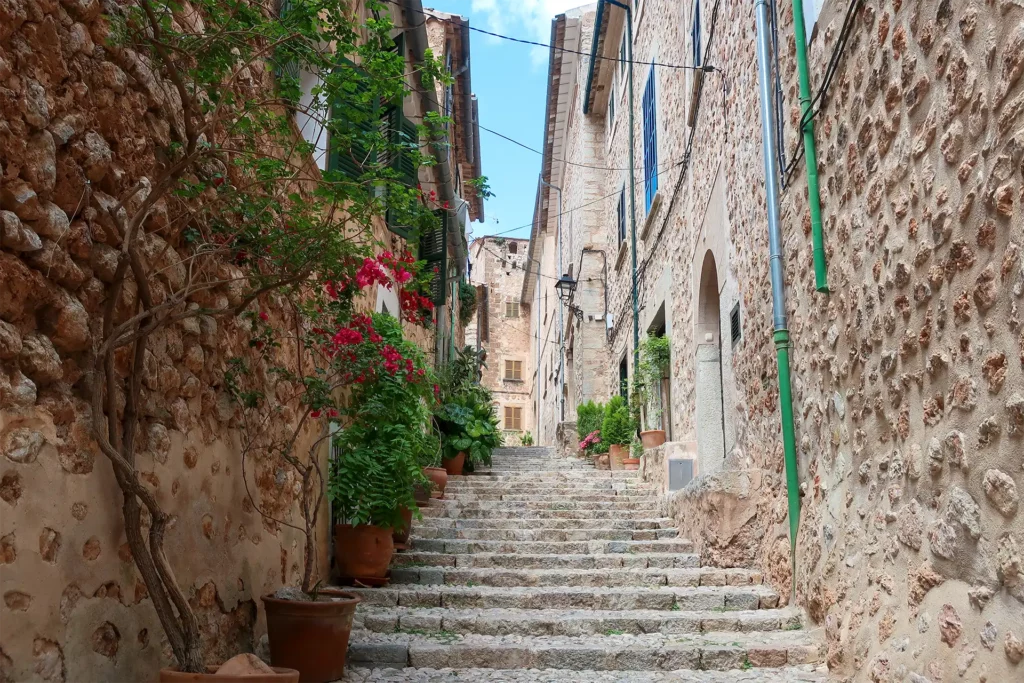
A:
(545, 569)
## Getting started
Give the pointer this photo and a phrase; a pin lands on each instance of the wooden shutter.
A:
(483, 309)
(350, 151)
(400, 132)
(284, 66)
(434, 250)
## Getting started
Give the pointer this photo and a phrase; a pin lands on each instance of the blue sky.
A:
(510, 81)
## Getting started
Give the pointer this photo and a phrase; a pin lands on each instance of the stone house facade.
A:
(907, 376)
(78, 127)
(501, 329)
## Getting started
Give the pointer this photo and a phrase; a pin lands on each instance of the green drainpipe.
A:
(810, 151)
(780, 320)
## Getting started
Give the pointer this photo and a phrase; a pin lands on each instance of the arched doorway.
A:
(709, 387)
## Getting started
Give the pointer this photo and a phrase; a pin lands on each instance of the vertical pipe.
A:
(561, 323)
(810, 150)
(777, 276)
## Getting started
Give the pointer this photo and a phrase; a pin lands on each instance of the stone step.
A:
(616, 598)
(808, 673)
(579, 497)
(626, 652)
(526, 561)
(540, 523)
(550, 487)
(460, 547)
(435, 511)
(539, 477)
(554, 504)
(594, 578)
(432, 532)
(520, 622)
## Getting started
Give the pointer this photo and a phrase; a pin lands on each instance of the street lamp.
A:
(566, 288)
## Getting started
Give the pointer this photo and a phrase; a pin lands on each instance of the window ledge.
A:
(621, 258)
(652, 214)
(514, 381)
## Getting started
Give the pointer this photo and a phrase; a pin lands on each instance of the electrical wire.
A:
(548, 277)
(524, 41)
(818, 100)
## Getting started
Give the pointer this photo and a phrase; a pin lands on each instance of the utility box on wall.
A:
(680, 473)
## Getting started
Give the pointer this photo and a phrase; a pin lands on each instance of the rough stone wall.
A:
(78, 128)
(907, 378)
(500, 270)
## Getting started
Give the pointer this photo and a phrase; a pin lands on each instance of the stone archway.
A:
(710, 404)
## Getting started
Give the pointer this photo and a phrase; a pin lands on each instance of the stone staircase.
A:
(545, 569)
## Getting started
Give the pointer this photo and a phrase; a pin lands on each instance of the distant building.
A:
(501, 329)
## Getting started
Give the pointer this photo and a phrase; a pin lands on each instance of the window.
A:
(514, 370)
(621, 215)
(622, 52)
(611, 106)
(514, 418)
(512, 309)
(650, 141)
(734, 323)
(695, 34)
(624, 378)
(513, 247)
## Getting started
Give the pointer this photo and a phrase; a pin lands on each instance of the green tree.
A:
(618, 427)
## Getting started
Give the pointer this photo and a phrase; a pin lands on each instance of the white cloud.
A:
(529, 19)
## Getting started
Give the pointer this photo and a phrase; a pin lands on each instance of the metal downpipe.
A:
(810, 149)
(779, 320)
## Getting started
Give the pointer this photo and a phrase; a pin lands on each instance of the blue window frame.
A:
(650, 141)
(621, 215)
(695, 34)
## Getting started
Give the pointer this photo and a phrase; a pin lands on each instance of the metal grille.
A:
(734, 320)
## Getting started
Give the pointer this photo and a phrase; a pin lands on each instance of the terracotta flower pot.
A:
(454, 466)
(298, 632)
(364, 551)
(631, 463)
(652, 438)
(172, 675)
(601, 461)
(439, 476)
(421, 494)
(617, 454)
(401, 536)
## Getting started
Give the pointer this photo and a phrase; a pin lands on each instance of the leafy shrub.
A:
(589, 417)
(467, 303)
(465, 415)
(386, 433)
(618, 426)
(526, 439)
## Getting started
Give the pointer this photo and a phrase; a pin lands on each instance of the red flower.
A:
(314, 414)
(263, 316)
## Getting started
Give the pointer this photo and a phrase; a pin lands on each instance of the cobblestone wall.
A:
(908, 377)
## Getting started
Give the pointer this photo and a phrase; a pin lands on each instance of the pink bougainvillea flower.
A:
(314, 414)
(263, 316)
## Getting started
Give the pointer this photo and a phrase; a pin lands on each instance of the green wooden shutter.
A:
(434, 250)
(283, 66)
(350, 156)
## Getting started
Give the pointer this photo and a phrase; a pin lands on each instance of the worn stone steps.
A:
(604, 598)
(518, 477)
(495, 512)
(595, 578)
(628, 652)
(461, 547)
(483, 485)
(582, 497)
(556, 504)
(560, 622)
(528, 561)
(539, 523)
(808, 673)
(477, 534)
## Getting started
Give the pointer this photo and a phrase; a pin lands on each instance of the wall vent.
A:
(734, 319)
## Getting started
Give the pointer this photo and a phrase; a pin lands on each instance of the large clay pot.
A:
(311, 636)
(601, 461)
(401, 536)
(172, 675)
(439, 476)
(652, 438)
(454, 466)
(617, 454)
(631, 463)
(364, 551)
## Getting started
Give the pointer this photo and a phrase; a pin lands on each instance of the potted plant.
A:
(636, 449)
(526, 439)
(380, 445)
(589, 417)
(617, 430)
(465, 415)
(438, 475)
(220, 217)
(655, 354)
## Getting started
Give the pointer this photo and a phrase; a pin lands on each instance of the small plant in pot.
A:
(526, 439)
(380, 445)
(655, 354)
(617, 430)
(589, 418)
(636, 450)
(464, 415)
